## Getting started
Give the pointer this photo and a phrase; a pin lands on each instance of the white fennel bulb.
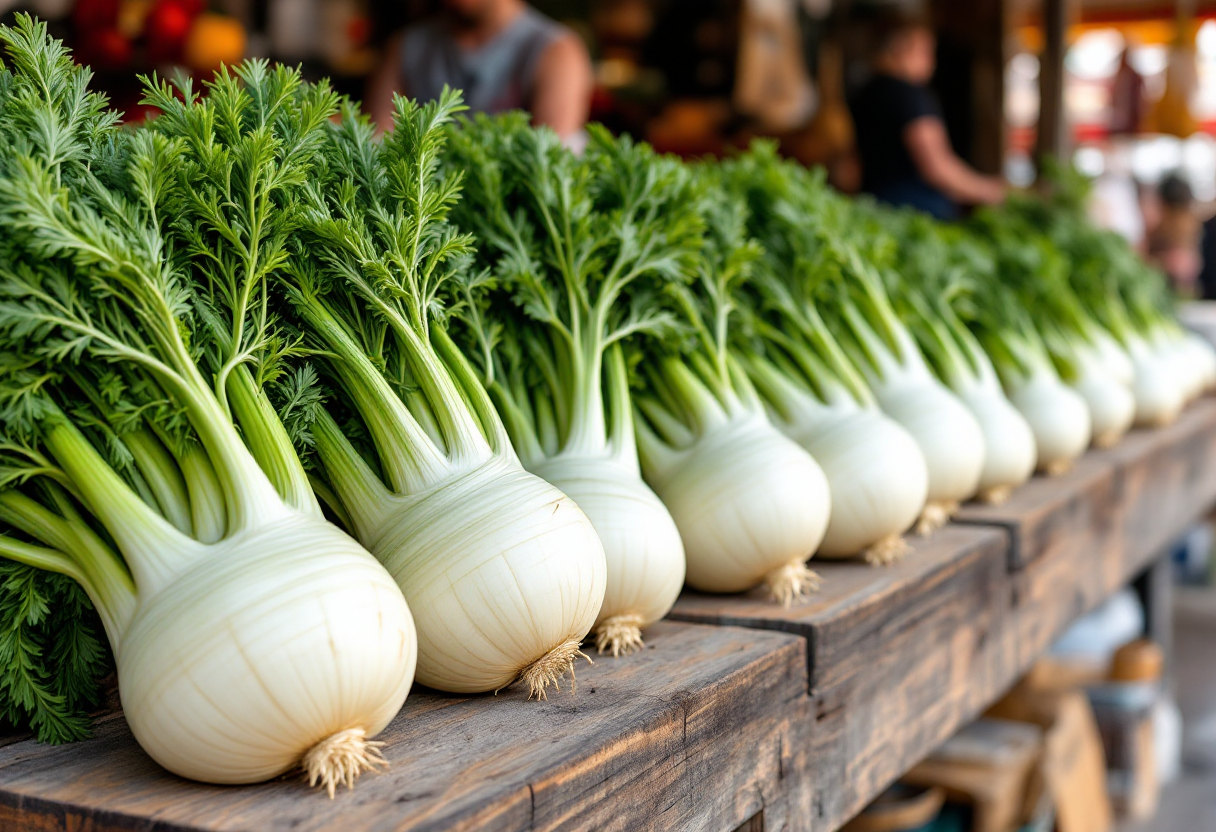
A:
(1009, 442)
(1157, 389)
(1193, 356)
(283, 644)
(1172, 351)
(220, 652)
(1112, 407)
(1057, 415)
(948, 434)
(751, 506)
(1113, 357)
(877, 478)
(1204, 355)
(503, 572)
(547, 340)
(250, 636)
(642, 546)
(961, 362)
(904, 387)
(875, 470)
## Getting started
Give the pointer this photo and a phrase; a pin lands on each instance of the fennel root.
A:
(790, 582)
(995, 496)
(342, 757)
(551, 667)
(622, 634)
(1058, 467)
(936, 514)
(888, 551)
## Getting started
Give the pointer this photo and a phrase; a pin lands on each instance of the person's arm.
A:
(382, 83)
(562, 95)
(927, 143)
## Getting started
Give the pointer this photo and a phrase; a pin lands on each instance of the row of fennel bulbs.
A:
(234, 417)
(1052, 332)
(302, 411)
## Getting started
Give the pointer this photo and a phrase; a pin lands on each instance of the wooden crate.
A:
(703, 730)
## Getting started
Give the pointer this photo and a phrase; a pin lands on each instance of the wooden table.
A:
(740, 714)
(699, 731)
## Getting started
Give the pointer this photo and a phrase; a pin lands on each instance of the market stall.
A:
(463, 476)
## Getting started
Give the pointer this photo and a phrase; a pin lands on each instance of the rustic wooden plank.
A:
(703, 730)
(1135, 496)
(1078, 538)
(1166, 481)
(899, 657)
(1052, 515)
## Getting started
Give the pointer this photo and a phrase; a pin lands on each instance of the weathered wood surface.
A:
(703, 730)
(899, 657)
(1077, 538)
(1135, 497)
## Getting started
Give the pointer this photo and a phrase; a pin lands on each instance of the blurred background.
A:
(1125, 88)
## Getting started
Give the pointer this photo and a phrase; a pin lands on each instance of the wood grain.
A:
(899, 657)
(703, 730)
(1078, 538)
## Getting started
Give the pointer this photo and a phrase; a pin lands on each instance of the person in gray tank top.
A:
(503, 54)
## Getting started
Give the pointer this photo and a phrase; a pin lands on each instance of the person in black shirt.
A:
(906, 157)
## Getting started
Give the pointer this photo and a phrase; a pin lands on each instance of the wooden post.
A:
(1053, 136)
(971, 80)
(988, 88)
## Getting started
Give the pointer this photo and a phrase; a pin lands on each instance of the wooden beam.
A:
(899, 657)
(1053, 134)
(1080, 537)
(975, 30)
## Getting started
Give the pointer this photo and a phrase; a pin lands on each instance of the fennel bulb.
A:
(947, 433)
(750, 504)
(1114, 358)
(934, 264)
(504, 573)
(1058, 416)
(250, 635)
(644, 574)
(546, 333)
(1112, 407)
(1159, 392)
(1009, 442)
(877, 478)
(876, 472)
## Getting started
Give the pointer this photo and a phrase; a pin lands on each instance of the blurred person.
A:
(503, 54)
(1174, 241)
(1127, 97)
(1206, 287)
(906, 157)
